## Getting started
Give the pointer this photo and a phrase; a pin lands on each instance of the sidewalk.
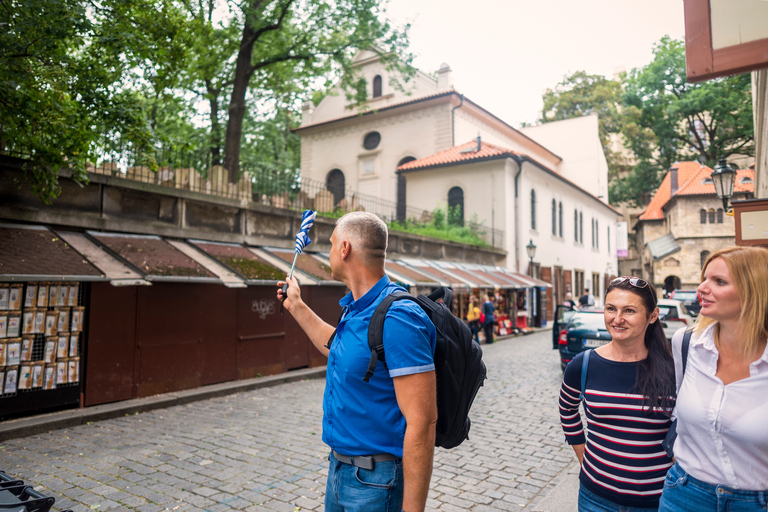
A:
(31, 425)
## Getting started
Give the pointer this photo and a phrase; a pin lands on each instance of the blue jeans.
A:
(591, 502)
(683, 493)
(353, 489)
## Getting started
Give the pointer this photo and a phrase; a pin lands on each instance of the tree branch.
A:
(269, 28)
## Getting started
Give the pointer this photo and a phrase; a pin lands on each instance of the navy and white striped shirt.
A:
(623, 458)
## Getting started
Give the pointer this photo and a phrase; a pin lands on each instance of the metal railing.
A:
(180, 168)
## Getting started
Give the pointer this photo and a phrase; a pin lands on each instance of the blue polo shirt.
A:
(363, 418)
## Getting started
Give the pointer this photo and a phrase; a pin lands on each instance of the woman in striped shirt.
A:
(628, 398)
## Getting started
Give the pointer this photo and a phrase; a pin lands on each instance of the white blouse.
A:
(722, 431)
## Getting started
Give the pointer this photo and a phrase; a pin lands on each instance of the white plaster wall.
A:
(553, 250)
(577, 142)
(418, 133)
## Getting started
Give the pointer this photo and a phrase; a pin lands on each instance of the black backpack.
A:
(459, 366)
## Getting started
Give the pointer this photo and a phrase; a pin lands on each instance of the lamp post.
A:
(531, 253)
(724, 177)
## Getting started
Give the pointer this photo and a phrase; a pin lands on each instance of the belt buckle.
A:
(363, 462)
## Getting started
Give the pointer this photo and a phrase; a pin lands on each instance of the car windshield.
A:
(667, 311)
(685, 295)
(587, 321)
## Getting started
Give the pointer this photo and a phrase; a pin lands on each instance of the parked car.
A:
(673, 315)
(690, 298)
(582, 330)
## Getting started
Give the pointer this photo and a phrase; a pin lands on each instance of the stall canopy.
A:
(35, 253)
(311, 265)
(456, 269)
(399, 271)
(242, 261)
(434, 272)
(118, 273)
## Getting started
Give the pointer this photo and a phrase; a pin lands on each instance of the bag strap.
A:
(333, 334)
(376, 329)
(584, 366)
(686, 344)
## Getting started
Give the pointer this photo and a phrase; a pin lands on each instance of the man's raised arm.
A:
(316, 328)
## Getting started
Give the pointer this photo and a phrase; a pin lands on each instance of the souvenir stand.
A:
(43, 316)
(460, 287)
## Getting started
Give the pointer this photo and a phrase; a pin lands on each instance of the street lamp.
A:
(723, 178)
(531, 253)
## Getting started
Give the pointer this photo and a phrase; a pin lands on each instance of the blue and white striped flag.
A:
(302, 238)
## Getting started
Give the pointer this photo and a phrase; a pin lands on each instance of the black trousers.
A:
(488, 328)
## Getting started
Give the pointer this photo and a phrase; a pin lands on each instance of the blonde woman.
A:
(721, 450)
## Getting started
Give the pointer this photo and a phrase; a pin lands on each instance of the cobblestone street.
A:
(262, 450)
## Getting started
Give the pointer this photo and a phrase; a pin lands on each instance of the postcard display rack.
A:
(41, 331)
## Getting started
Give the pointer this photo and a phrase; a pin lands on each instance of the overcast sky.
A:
(505, 53)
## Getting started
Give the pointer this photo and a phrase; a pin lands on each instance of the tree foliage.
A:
(661, 118)
(80, 77)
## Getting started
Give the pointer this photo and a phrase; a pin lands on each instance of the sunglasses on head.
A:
(636, 282)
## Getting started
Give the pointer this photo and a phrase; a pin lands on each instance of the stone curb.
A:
(24, 427)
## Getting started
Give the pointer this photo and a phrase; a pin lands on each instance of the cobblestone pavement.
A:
(262, 450)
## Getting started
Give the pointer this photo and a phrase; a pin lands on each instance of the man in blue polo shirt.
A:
(381, 433)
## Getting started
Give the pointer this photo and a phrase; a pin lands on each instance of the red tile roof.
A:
(690, 177)
(458, 154)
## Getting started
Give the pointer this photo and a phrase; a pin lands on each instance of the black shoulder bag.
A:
(669, 441)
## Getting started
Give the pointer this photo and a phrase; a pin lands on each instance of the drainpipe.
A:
(519, 161)
(453, 132)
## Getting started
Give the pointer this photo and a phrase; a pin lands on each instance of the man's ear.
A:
(344, 250)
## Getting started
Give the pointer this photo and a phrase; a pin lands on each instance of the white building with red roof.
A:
(429, 145)
(684, 223)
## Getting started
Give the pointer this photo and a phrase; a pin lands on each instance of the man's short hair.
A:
(366, 232)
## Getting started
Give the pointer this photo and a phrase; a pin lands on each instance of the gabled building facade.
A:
(684, 223)
(429, 145)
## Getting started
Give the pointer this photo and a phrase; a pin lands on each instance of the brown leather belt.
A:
(364, 461)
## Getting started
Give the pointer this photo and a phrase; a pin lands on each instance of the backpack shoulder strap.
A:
(376, 330)
(686, 345)
(584, 366)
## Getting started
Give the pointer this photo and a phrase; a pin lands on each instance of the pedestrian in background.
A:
(490, 319)
(721, 450)
(568, 302)
(584, 299)
(381, 433)
(628, 396)
(473, 317)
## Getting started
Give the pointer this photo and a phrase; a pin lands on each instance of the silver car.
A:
(674, 316)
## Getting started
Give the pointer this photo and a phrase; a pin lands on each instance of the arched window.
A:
(711, 215)
(575, 225)
(401, 190)
(581, 227)
(703, 215)
(719, 215)
(377, 86)
(334, 182)
(533, 209)
(704, 256)
(560, 223)
(554, 217)
(456, 206)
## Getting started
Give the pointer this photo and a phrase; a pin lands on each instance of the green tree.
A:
(69, 73)
(581, 94)
(668, 119)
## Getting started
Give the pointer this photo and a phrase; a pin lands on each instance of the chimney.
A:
(444, 78)
(673, 179)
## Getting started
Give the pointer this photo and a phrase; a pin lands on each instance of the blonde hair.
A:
(749, 270)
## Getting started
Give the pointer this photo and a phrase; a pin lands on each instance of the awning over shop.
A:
(399, 271)
(242, 261)
(497, 280)
(35, 253)
(154, 257)
(226, 275)
(458, 270)
(443, 278)
(118, 273)
(312, 265)
(525, 281)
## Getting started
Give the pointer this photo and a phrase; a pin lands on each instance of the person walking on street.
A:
(381, 433)
(721, 449)
(473, 318)
(628, 394)
(568, 302)
(584, 299)
(490, 319)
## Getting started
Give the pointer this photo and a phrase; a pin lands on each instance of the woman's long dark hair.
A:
(656, 373)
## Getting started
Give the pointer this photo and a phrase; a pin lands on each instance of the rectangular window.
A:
(369, 166)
